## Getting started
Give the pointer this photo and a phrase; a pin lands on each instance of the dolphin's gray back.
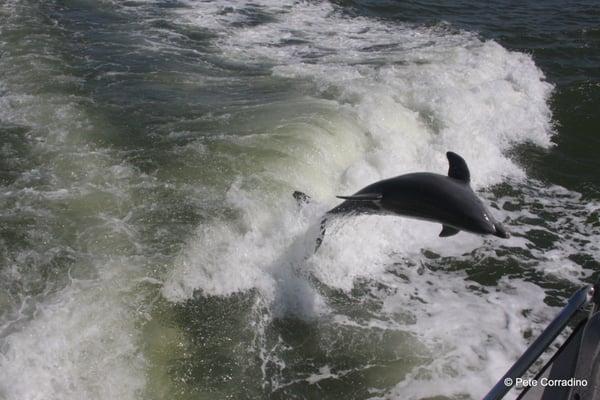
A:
(448, 200)
(428, 196)
(360, 207)
(422, 195)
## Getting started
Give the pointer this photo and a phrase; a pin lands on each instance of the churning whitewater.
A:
(150, 245)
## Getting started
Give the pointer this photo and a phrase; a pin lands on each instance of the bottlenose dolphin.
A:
(448, 200)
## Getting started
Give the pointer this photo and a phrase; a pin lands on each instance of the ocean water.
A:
(150, 247)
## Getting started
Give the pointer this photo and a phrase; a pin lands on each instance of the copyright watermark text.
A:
(544, 382)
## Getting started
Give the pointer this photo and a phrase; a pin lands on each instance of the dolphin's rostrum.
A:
(448, 200)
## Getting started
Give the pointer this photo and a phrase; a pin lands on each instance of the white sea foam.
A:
(70, 331)
(385, 99)
(466, 326)
(81, 344)
(424, 92)
(79, 341)
(417, 92)
(410, 93)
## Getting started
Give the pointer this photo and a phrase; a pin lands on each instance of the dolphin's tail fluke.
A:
(302, 199)
(352, 204)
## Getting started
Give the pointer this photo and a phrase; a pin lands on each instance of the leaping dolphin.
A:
(448, 200)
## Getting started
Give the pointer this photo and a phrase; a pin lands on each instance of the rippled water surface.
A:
(150, 247)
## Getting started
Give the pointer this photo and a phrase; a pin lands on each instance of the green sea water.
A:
(150, 247)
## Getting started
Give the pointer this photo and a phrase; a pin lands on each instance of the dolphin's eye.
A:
(486, 217)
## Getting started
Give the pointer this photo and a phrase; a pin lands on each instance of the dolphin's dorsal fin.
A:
(448, 231)
(458, 167)
(362, 197)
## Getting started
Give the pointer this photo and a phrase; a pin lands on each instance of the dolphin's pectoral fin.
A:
(500, 231)
(362, 197)
(301, 198)
(458, 168)
(448, 231)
